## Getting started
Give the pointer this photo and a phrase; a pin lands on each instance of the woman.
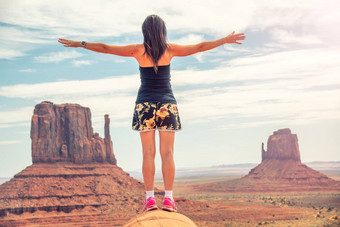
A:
(155, 106)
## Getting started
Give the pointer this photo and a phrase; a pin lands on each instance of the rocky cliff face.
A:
(280, 171)
(64, 133)
(282, 145)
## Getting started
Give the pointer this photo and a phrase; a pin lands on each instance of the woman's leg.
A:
(166, 142)
(149, 151)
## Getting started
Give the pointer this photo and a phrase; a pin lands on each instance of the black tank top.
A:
(155, 87)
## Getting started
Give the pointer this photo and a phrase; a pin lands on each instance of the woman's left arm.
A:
(125, 51)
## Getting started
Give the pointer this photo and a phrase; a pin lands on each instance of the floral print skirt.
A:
(152, 115)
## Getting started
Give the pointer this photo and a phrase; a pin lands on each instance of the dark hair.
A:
(154, 32)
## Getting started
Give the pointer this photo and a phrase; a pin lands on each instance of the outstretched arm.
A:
(185, 50)
(125, 51)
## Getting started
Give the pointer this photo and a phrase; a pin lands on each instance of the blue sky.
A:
(230, 99)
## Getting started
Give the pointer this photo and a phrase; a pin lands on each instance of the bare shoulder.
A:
(172, 46)
(139, 46)
(139, 49)
(182, 50)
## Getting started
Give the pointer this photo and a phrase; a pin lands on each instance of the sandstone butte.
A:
(281, 170)
(74, 178)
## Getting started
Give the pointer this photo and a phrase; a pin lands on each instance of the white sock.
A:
(168, 194)
(150, 194)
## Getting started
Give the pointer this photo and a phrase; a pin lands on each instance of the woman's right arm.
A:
(185, 50)
(125, 51)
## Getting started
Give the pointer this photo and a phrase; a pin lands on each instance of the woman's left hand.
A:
(234, 38)
(69, 43)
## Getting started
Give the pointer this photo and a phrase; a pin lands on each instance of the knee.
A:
(149, 152)
(166, 153)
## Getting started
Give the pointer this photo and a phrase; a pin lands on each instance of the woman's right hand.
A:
(69, 43)
(233, 38)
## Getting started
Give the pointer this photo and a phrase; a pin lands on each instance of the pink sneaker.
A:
(169, 205)
(149, 204)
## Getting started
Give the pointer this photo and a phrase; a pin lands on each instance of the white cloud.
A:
(23, 114)
(83, 88)
(119, 60)
(237, 49)
(58, 56)
(10, 53)
(27, 70)
(319, 64)
(279, 86)
(16, 124)
(78, 63)
(109, 18)
(200, 56)
(284, 36)
(6, 142)
(189, 39)
(24, 35)
(17, 41)
(277, 101)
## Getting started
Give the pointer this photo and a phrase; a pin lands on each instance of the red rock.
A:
(282, 145)
(65, 186)
(281, 165)
(280, 171)
(108, 143)
(64, 133)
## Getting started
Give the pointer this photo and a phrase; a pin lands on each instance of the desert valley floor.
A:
(207, 208)
(257, 209)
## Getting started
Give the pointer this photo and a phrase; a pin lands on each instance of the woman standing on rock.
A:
(156, 106)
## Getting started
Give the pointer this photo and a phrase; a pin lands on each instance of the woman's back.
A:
(145, 61)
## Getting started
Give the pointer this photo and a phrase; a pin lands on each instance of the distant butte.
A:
(282, 163)
(281, 170)
(282, 145)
